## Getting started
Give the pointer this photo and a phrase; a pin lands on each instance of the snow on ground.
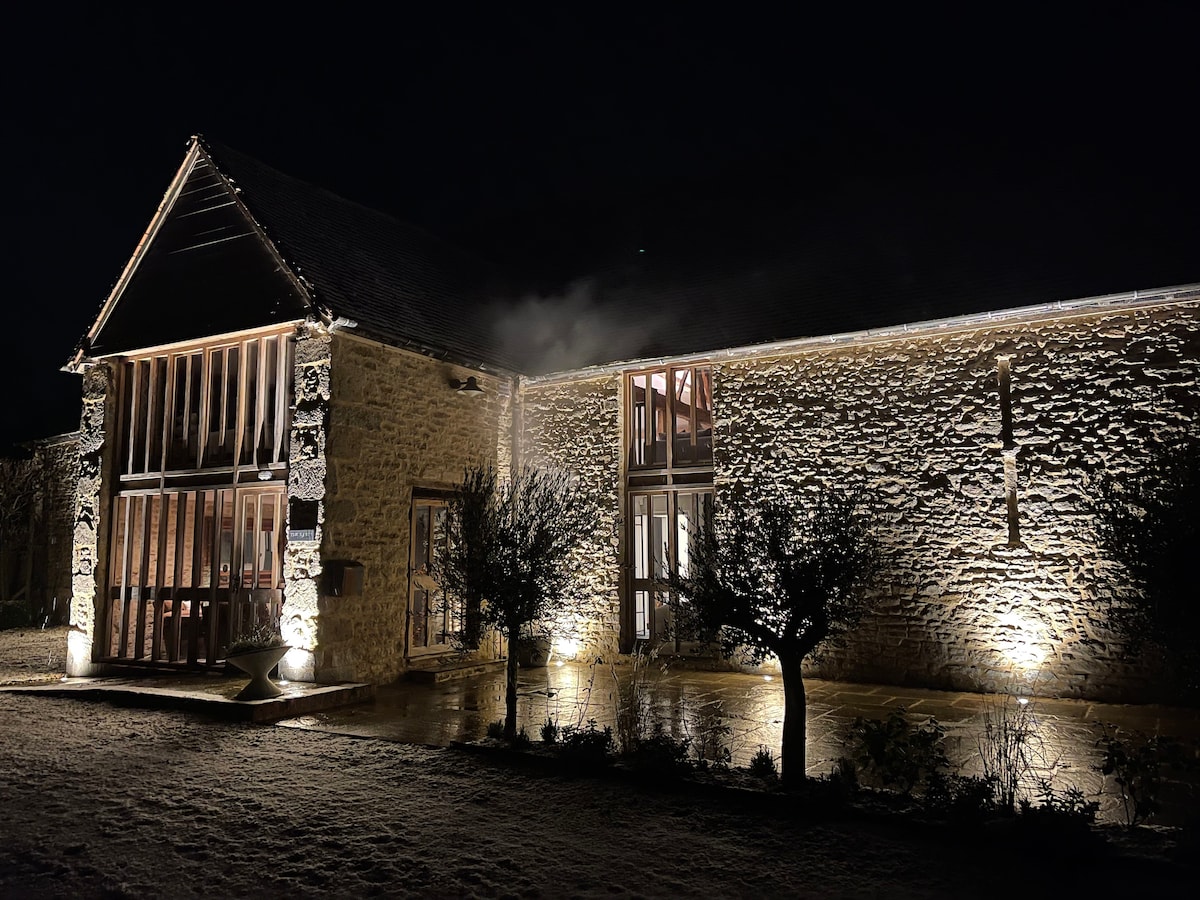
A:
(30, 655)
(102, 801)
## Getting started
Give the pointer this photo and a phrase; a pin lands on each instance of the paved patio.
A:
(689, 703)
(740, 712)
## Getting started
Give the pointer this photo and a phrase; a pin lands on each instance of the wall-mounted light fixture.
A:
(470, 386)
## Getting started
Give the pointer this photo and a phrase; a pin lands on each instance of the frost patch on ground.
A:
(103, 801)
(32, 655)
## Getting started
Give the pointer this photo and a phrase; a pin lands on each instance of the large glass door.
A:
(190, 569)
(663, 525)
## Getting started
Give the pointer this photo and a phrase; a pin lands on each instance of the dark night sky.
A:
(1051, 152)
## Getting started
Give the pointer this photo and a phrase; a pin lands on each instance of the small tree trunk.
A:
(795, 712)
(510, 687)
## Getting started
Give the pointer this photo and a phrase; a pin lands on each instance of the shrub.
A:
(1067, 811)
(845, 770)
(660, 752)
(709, 738)
(549, 731)
(635, 698)
(522, 740)
(1009, 747)
(1137, 766)
(587, 745)
(495, 730)
(899, 753)
(960, 797)
(827, 794)
(263, 636)
(763, 765)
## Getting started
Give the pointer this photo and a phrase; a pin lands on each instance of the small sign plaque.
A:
(302, 534)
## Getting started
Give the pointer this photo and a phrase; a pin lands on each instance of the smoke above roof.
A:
(573, 328)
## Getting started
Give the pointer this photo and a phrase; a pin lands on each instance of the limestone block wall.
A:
(394, 424)
(92, 497)
(576, 426)
(918, 421)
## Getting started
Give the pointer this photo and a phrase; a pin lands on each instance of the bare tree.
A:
(782, 578)
(20, 489)
(1148, 520)
(507, 560)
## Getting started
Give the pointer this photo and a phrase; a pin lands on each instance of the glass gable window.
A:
(670, 418)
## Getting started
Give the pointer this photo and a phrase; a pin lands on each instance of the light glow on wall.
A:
(566, 647)
(1021, 641)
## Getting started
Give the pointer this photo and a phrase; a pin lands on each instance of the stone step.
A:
(439, 669)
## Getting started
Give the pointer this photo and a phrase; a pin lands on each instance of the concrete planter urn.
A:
(533, 652)
(258, 665)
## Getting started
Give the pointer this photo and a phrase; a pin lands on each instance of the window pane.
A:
(159, 409)
(250, 430)
(684, 452)
(641, 538)
(221, 383)
(225, 560)
(659, 536)
(141, 397)
(172, 525)
(641, 614)
(637, 420)
(658, 419)
(702, 402)
(266, 549)
(692, 513)
(421, 545)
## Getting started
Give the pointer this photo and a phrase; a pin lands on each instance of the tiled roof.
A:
(733, 279)
(400, 284)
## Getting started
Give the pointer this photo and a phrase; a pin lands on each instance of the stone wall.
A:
(917, 420)
(576, 426)
(58, 462)
(38, 494)
(394, 424)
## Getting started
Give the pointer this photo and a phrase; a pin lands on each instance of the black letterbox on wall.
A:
(342, 578)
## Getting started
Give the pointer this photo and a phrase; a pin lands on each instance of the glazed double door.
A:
(191, 569)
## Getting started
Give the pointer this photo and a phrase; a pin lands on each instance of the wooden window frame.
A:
(152, 426)
(643, 449)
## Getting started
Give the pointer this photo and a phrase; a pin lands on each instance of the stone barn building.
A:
(282, 388)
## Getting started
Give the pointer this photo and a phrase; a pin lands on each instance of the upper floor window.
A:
(206, 407)
(670, 418)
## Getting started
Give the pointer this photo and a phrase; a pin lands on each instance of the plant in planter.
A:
(533, 649)
(256, 652)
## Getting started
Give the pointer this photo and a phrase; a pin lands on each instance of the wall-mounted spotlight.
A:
(470, 386)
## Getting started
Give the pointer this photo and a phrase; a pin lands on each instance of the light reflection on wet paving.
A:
(688, 703)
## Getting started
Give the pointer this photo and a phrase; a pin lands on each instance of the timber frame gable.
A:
(203, 213)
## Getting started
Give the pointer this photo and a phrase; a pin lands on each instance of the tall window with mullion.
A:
(670, 418)
(669, 429)
(665, 526)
